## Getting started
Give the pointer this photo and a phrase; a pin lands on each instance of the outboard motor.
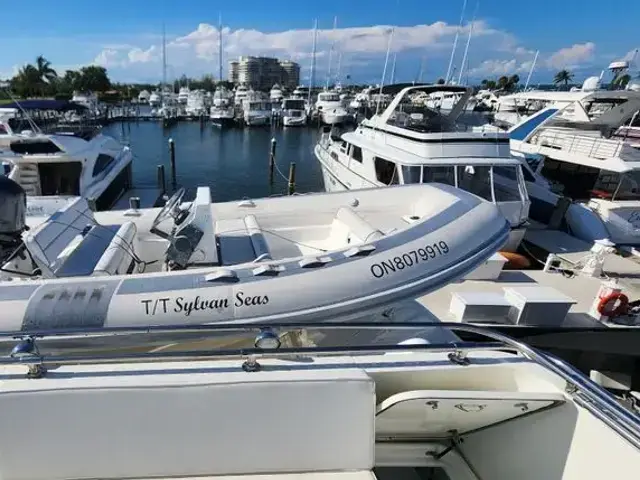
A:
(13, 213)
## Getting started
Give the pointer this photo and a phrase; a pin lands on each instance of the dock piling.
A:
(292, 178)
(162, 185)
(172, 160)
(272, 160)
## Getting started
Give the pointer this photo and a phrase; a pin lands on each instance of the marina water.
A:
(233, 162)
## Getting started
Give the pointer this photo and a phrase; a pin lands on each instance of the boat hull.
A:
(222, 122)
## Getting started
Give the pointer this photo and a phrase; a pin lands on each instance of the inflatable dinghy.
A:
(317, 257)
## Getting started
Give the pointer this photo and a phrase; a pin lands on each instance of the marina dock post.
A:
(162, 184)
(292, 178)
(272, 160)
(172, 160)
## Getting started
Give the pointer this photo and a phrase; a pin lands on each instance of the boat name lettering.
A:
(409, 259)
(187, 306)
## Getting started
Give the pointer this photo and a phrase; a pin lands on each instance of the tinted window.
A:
(386, 171)
(444, 175)
(102, 163)
(411, 174)
(356, 153)
(476, 179)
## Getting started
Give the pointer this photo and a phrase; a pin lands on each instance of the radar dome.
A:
(13, 207)
(591, 84)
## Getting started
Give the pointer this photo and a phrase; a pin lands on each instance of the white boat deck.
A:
(580, 288)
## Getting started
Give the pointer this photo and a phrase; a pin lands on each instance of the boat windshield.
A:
(497, 185)
(329, 97)
(294, 104)
(418, 117)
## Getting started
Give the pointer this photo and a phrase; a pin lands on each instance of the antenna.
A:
(333, 43)
(535, 59)
(466, 48)
(220, 45)
(312, 78)
(421, 71)
(384, 70)
(455, 42)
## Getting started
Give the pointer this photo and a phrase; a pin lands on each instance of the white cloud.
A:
(572, 57)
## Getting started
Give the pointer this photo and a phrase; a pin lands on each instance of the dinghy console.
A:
(187, 236)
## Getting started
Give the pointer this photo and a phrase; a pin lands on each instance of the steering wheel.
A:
(169, 209)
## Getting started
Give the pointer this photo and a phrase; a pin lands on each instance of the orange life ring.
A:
(611, 299)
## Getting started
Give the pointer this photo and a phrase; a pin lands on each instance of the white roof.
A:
(403, 157)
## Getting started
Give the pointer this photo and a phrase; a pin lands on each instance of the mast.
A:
(421, 71)
(466, 48)
(312, 78)
(535, 59)
(339, 66)
(455, 42)
(333, 43)
(220, 47)
(393, 69)
(384, 70)
(164, 63)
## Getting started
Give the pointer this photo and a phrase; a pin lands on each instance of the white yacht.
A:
(257, 112)
(574, 151)
(89, 100)
(331, 109)
(306, 402)
(294, 112)
(362, 99)
(183, 95)
(276, 95)
(144, 96)
(222, 112)
(196, 103)
(55, 169)
(300, 92)
(155, 99)
(411, 143)
(241, 94)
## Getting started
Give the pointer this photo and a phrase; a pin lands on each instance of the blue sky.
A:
(124, 35)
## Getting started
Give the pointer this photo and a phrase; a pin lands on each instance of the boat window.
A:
(386, 171)
(445, 174)
(60, 178)
(578, 182)
(476, 179)
(504, 190)
(628, 187)
(356, 153)
(34, 147)
(103, 162)
(412, 174)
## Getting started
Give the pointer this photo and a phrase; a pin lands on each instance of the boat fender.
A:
(606, 301)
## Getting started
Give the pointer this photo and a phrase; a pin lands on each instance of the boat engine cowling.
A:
(13, 216)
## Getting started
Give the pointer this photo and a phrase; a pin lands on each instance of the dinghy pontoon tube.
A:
(302, 258)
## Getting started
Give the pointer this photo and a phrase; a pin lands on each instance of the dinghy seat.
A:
(103, 250)
(358, 227)
(241, 240)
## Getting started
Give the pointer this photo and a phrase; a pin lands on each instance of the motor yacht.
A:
(294, 112)
(222, 112)
(331, 109)
(412, 143)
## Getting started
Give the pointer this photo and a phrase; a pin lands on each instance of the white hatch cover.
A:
(436, 413)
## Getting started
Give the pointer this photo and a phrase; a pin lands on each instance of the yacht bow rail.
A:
(588, 145)
(583, 390)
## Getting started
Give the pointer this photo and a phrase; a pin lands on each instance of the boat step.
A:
(489, 270)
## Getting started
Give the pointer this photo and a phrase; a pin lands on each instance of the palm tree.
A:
(47, 74)
(621, 80)
(563, 76)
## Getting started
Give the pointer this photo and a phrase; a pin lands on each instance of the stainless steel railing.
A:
(583, 390)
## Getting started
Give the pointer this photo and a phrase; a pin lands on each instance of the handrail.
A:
(583, 390)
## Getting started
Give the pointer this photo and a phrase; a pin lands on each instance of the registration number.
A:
(409, 259)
